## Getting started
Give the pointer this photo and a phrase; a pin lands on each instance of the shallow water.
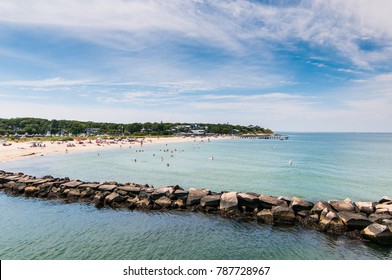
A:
(324, 166)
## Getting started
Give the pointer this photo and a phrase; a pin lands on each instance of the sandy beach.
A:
(17, 150)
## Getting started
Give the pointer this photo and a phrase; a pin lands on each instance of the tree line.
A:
(38, 126)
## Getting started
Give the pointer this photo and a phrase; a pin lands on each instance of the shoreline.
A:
(363, 220)
(19, 150)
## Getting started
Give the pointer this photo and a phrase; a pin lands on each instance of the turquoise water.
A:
(324, 166)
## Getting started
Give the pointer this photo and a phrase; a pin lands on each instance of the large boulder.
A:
(195, 196)
(354, 220)
(107, 187)
(380, 234)
(330, 222)
(72, 184)
(248, 200)
(130, 189)
(299, 204)
(163, 202)
(283, 214)
(384, 208)
(365, 207)
(265, 216)
(180, 194)
(92, 186)
(166, 191)
(210, 201)
(342, 205)
(319, 206)
(29, 191)
(268, 202)
(228, 201)
(114, 197)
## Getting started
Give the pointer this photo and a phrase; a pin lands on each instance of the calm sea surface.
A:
(324, 166)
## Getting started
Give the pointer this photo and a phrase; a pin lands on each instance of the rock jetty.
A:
(362, 219)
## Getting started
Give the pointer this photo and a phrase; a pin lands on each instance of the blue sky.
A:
(286, 65)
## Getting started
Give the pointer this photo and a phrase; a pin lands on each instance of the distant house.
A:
(198, 132)
(92, 130)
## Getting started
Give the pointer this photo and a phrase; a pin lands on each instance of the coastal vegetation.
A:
(16, 127)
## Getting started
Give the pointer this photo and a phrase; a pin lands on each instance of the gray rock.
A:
(72, 184)
(180, 194)
(92, 186)
(342, 206)
(114, 197)
(163, 202)
(265, 216)
(268, 202)
(248, 200)
(107, 187)
(199, 192)
(30, 190)
(365, 207)
(167, 191)
(130, 189)
(228, 201)
(193, 200)
(354, 220)
(73, 193)
(380, 234)
(319, 206)
(283, 214)
(210, 201)
(330, 222)
(298, 204)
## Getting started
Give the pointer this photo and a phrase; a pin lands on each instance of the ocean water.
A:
(324, 166)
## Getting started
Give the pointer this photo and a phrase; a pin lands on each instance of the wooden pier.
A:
(264, 136)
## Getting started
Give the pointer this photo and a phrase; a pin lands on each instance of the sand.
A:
(19, 150)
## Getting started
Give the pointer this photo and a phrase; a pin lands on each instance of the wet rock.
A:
(180, 194)
(365, 207)
(380, 234)
(319, 206)
(29, 191)
(298, 204)
(167, 191)
(144, 203)
(268, 202)
(304, 213)
(354, 220)
(179, 204)
(265, 216)
(330, 222)
(210, 201)
(248, 200)
(106, 187)
(164, 202)
(87, 193)
(114, 197)
(98, 200)
(342, 206)
(73, 193)
(193, 200)
(72, 184)
(283, 214)
(228, 201)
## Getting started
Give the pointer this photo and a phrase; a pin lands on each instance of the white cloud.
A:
(53, 82)
(231, 25)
